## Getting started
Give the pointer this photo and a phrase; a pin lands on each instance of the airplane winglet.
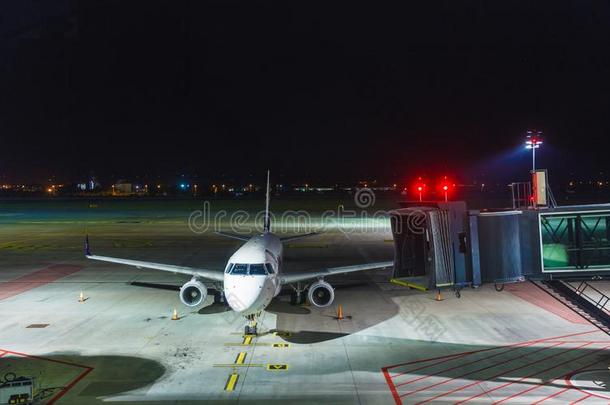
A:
(87, 251)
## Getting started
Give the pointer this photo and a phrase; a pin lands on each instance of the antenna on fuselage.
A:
(267, 225)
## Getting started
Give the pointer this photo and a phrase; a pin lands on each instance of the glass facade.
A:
(575, 241)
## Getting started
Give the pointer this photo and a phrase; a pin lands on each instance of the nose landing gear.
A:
(250, 328)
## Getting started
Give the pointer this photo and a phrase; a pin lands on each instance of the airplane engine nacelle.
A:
(193, 293)
(321, 294)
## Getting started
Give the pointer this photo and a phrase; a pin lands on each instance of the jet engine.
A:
(321, 294)
(193, 293)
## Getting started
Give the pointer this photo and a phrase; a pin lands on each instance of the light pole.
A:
(533, 140)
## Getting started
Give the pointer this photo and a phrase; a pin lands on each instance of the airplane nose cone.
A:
(242, 292)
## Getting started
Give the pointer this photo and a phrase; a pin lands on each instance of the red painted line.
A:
(485, 368)
(558, 393)
(70, 386)
(388, 379)
(581, 399)
(550, 368)
(447, 356)
(571, 334)
(38, 278)
(456, 356)
(67, 363)
(451, 356)
(493, 348)
(510, 371)
(461, 366)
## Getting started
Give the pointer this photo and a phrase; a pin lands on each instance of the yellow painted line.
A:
(282, 333)
(286, 345)
(246, 345)
(388, 240)
(240, 358)
(231, 381)
(247, 340)
(408, 284)
(237, 365)
(277, 367)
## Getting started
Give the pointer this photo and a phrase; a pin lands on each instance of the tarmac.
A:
(395, 345)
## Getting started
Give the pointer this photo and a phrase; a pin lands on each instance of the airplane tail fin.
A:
(267, 224)
(87, 248)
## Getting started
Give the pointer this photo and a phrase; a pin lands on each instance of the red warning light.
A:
(420, 188)
(446, 186)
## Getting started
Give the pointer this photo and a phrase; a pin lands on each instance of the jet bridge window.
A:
(257, 270)
(575, 241)
(240, 269)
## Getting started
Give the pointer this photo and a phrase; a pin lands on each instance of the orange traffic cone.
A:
(175, 315)
(340, 312)
(81, 297)
(439, 297)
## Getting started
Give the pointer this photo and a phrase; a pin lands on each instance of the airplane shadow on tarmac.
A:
(363, 303)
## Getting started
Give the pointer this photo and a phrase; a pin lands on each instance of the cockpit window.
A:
(229, 267)
(257, 270)
(240, 269)
(269, 268)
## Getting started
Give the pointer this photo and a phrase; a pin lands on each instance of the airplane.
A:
(253, 275)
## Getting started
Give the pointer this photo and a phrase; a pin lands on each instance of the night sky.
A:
(327, 90)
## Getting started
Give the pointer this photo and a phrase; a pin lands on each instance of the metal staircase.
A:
(582, 298)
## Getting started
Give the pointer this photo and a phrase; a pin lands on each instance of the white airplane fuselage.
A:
(248, 294)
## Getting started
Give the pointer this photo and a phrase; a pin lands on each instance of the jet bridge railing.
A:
(595, 296)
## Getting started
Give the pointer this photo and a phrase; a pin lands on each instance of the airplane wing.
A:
(233, 236)
(294, 277)
(191, 271)
(297, 237)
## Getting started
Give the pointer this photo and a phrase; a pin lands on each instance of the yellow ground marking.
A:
(408, 284)
(231, 381)
(281, 345)
(247, 340)
(388, 240)
(281, 333)
(237, 365)
(277, 367)
(245, 345)
(240, 358)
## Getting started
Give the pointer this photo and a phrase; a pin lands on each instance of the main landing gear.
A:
(298, 295)
(219, 298)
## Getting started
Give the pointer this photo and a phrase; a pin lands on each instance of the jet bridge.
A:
(439, 245)
(430, 245)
